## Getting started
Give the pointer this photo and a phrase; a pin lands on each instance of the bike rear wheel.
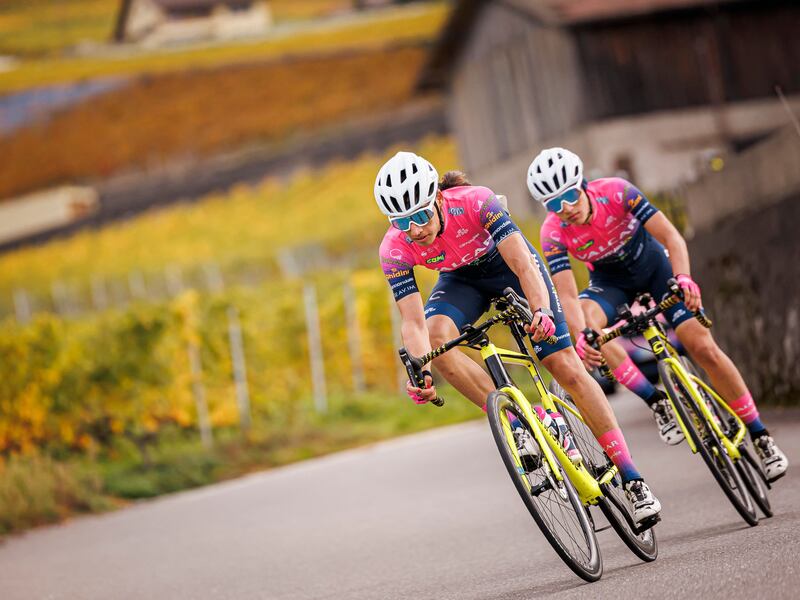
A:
(708, 445)
(614, 506)
(554, 505)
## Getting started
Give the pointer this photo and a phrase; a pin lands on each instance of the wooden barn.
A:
(164, 22)
(644, 87)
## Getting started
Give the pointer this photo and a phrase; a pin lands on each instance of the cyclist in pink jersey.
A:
(464, 232)
(630, 247)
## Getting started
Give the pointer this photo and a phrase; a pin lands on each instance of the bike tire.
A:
(749, 468)
(644, 545)
(754, 479)
(709, 446)
(580, 552)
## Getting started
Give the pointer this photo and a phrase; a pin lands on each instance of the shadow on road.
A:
(705, 533)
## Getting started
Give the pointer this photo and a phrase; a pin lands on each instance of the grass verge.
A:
(36, 490)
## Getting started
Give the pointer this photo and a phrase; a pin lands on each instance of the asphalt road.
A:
(428, 516)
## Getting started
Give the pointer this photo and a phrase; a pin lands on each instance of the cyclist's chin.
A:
(425, 241)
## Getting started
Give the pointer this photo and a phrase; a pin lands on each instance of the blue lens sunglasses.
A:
(569, 197)
(421, 217)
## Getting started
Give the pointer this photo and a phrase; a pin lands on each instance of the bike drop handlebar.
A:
(518, 310)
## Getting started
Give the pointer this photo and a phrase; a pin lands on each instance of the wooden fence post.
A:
(353, 337)
(188, 308)
(22, 306)
(315, 349)
(239, 367)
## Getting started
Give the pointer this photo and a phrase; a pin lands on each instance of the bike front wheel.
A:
(708, 445)
(613, 505)
(553, 504)
(749, 468)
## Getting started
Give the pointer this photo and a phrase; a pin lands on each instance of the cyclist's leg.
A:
(454, 303)
(598, 303)
(700, 345)
(563, 363)
(724, 376)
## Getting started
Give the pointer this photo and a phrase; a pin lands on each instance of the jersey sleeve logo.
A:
(633, 203)
(491, 218)
(397, 273)
(455, 211)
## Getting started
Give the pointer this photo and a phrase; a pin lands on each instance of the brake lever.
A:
(591, 338)
(413, 367)
(520, 305)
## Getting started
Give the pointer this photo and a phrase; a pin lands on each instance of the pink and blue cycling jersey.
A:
(614, 236)
(474, 223)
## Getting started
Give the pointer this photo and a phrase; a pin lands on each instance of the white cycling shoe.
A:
(773, 460)
(668, 429)
(645, 505)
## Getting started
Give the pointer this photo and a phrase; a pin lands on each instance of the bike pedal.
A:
(647, 523)
(541, 488)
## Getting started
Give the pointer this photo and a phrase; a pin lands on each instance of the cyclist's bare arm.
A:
(515, 252)
(413, 328)
(567, 291)
(665, 232)
(415, 336)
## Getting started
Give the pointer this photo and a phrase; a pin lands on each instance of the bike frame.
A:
(495, 358)
(666, 353)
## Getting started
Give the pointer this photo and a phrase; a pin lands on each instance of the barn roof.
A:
(178, 5)
(559, 13)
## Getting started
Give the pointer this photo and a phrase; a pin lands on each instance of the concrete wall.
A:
(746, 256)
(661, 149)
(766, 175)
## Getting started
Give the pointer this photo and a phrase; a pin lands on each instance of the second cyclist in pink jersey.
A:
(630, 247)
(464, 232)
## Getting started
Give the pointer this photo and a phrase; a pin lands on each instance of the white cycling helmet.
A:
(404, 184)
(553, 171)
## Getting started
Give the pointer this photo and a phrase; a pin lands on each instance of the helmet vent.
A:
(564, 173)
(402, 176)
(414, 168)
(388, 180)
(431, 188)
(406, 200)
(416, 190)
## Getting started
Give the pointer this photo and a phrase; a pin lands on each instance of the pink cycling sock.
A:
(745, 408)
(629, 375)
(615, 447)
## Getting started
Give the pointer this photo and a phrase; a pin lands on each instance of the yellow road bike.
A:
(711, 427)
(560, 496)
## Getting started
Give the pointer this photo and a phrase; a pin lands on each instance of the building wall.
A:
(144, 16)
(512, 71)
(652, 96)
(731, 53)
